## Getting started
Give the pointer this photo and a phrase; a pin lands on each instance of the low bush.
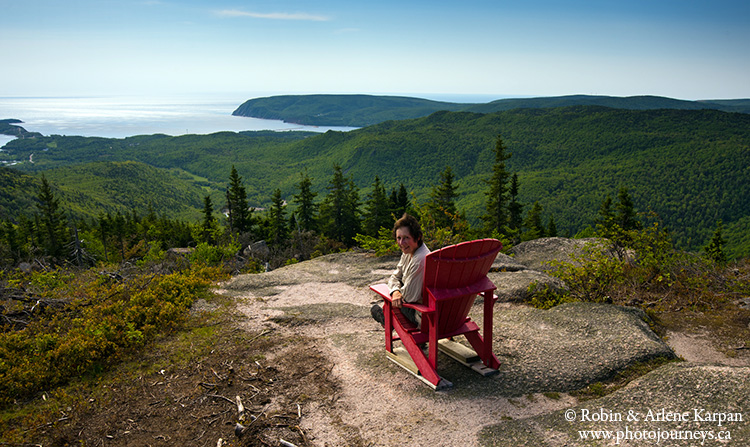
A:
(648, 273)
(104, 319)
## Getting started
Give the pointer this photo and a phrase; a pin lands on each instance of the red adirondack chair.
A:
(453, 277)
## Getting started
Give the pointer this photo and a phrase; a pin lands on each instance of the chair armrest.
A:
(420, 307)
(382, 290)
(385, 292)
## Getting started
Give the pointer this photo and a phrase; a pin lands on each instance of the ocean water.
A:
(123, 116)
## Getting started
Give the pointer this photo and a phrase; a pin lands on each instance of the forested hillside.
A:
(688, 166)
(10, 127)
(341, 110)
(366, 110)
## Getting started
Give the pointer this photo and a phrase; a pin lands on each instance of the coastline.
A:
(121, 117)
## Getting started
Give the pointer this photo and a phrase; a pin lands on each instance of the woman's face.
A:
(404, 240)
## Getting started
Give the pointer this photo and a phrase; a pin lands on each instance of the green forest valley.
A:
(108, 246)
(687, 167)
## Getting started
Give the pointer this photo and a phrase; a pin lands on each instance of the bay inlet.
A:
(125, 116)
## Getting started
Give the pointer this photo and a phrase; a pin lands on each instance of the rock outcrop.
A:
(543, 353)
(530, 263)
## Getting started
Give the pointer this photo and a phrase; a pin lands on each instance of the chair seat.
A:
(407, 324)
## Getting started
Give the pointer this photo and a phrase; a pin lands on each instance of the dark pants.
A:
(412, 315)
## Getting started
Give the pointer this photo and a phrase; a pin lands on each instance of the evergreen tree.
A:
(496, 217)
(551, 227)
(104, 234)
(277, 218)
(606, 220)
(119, 229)
(715, 248)
(306, 207)
(515, 208)
(399, 202)
(339, 214)
(377, 210)
(52, 222)
(626, 216)
(12, 240)
(240, 214)
(533, 223)
(441, 205)
(208, 227)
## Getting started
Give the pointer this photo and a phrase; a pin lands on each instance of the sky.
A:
(676, 48)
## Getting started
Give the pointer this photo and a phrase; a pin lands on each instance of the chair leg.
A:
(388, 313)
(489, 304)
(481, 347)
(425, 367)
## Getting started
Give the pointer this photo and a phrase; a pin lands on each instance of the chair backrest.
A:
(454, 267)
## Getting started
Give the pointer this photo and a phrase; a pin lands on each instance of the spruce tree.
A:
(496, 217)
(119, 229)
(626, 216)
(551, 227)
(377, 210)
(533, 223)
(605, 222)
(306, 207)
(715, 248)
(240, 214)
(399, 202)
(515, 208)
(12, 241)
(52, 222)
(103, 228)
(442, 197)
(277, 218)
(208, 226)
(339, 212)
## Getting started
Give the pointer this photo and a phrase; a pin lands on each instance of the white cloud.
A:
(346, 30)
(273, 15)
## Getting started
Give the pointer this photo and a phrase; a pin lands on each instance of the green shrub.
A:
(384, 244)
(213, 255)
(102, 322)
(547, 297)
(591, 274)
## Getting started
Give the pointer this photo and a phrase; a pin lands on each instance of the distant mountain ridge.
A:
(366, 110)
(341, 110)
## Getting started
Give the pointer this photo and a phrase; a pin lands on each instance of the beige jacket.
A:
(409, 275)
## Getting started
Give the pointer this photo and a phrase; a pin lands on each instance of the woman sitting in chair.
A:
(405, 284)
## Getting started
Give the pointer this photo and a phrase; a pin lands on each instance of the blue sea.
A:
(124, 116)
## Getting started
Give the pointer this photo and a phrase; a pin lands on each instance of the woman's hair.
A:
(411, 223)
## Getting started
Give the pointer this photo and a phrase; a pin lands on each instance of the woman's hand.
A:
(397, 299)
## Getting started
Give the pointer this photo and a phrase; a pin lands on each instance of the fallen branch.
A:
(268, 331)
(240, 409)
(219, 396)
(304, 438)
